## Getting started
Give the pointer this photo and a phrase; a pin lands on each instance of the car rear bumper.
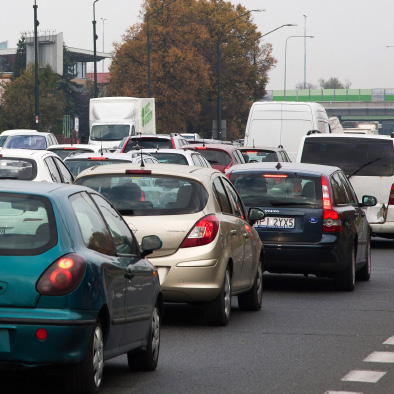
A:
(68, 335)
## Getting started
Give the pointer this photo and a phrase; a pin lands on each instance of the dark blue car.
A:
(75, 287)
(314, 222)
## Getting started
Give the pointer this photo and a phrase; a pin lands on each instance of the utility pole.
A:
(304, 51)
(37, 81)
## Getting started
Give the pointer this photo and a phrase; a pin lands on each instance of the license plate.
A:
(275, 222)
(4, 341)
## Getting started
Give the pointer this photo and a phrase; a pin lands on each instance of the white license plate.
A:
(275, 222)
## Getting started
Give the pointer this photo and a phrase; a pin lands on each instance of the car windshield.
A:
(355, 156)
(25, 142)
(170, 158)
(27, 224)
(215, 156)
(147, 195)
(2, 139)
(272, 189)
(76, 166)
(255, 156)
(112, 132)
(149, 143)
(14, 168)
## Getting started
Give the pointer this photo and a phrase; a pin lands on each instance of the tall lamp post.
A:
(103, 19)
(287, 24)
(219, 98)
(284, 84)
(37, 81)
(94, 49)
(148, 41)
(304, 51)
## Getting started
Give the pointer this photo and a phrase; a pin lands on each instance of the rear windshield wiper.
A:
(126, 212)
(364, 165)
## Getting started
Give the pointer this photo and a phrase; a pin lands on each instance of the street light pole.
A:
(304, 51)
(284, 85)
(219, 98)
(148, 41)
(36, 79)
(103, 19)
(288, 24)
(94, 49)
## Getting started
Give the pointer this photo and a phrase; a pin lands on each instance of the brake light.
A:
(142, 196)
(200, 147)
(173, 143)
(203, 232)
(69, 148)
(145, 172)
(97, 158)
(275, 176)
(227, 167)
(331, 220)
(63, 276)
(227, 174)
(391, 197)
(251, 151)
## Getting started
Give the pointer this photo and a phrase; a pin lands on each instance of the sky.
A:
(350, 36)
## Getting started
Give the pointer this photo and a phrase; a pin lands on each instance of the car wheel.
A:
(146, 360)
(252, 299)
(218, 311)
(345, 280)
(86, 377)
(364, 273)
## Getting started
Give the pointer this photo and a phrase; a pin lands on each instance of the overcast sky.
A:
(350, 36)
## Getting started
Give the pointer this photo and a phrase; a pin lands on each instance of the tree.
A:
(17, 103)
(20, 59)
(308, 85)
(183, 58)
(334, 83)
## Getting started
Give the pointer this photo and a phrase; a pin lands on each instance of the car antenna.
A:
(101, 143)
(142, 161)
(253, 144)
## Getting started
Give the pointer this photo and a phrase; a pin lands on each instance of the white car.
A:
(179, 156)
(64, 150)
(6, 133)
(79, 162)
(33, 165)
(37, 140)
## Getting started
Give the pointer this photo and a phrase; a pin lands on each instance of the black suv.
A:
(314, 223)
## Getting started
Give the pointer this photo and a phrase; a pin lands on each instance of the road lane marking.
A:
(342, 392)
(363, 376)
(380, 357)
(389, 341)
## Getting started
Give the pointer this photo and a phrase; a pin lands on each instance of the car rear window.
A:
(64, 152)
(278, 189)
(149, 143)
(25, 142)
(27, 224)
(260, 155)
(14, 168)
(170, 158)
(149, 195)
(113, 132)
(355, 156)
(215, 156)
(76, 166)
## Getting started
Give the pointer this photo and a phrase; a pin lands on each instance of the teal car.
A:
(75, 286)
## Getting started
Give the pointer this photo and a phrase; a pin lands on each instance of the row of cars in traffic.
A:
(209, 234)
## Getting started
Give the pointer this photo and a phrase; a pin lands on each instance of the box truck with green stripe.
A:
(113, 118)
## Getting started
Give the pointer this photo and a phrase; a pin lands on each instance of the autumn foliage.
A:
(184, 38)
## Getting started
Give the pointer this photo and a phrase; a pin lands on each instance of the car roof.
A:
(39, 188)
(243, 148)
(26, 153)
(19, 132)
(202, 174)
(95, 148)
(223, 147)
(109, 155)
(305, 168)
(347, 135)
(181, 151)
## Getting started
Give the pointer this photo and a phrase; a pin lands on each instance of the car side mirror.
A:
(254, 215)
(149, 244)
(368, 201)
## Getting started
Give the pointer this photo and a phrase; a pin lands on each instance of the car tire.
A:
(345, 280)
(218, 311)
(364, 274)
(252, 299)
(147, 359)
(86, 376)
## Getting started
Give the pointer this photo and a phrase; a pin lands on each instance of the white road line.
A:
(342, 392)
(389, 341)
(363, 376)
(380, 357)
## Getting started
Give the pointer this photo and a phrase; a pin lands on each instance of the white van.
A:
(368, 162)
(275, 123)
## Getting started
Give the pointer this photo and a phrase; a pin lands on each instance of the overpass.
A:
(347, 104)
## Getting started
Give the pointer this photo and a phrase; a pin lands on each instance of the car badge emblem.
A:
(312, 220)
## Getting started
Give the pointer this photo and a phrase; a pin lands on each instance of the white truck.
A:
(113, 118)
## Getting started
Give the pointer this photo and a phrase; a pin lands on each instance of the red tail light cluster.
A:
(203, 232)
(331, 220)
(63, 276)
(391, 198)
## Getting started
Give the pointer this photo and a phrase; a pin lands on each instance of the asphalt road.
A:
(306, 339)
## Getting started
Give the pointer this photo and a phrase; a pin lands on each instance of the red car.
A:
(220, 156)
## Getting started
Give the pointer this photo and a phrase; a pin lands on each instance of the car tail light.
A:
(173, 143)
(200, 148)
(203, 232)
(97, 158)
(275, 176)
(331, 220)
(69, 148)
(142, 196)
(139, 172)
(228, 174)
(227, 166)
(391, 198)
(251, 151)
(63, 276)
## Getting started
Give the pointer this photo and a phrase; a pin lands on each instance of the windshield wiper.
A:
(364, 165)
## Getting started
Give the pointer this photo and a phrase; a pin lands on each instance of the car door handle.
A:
(129, 276)
(233, 232)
